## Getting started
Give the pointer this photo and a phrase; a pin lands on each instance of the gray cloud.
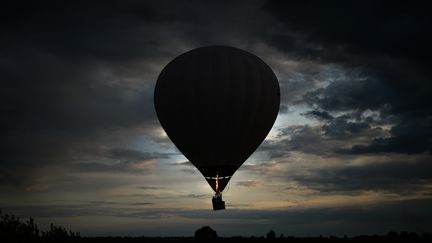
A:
(296, 83)
(187, 167)
(150, 187)
(333, 29)
(341, 127)
(79, 77)
(141, 204)
(387, 52)
(199, 196)
(249, 183)
(124, 166)
(70, 88)
(320, 115)
(411, 136)
(134, 155)
(123, 160)
(184, 163)
(306, 139)
(350, 94)
(400, 177)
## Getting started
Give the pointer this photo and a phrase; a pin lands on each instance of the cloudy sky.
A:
(350, 152)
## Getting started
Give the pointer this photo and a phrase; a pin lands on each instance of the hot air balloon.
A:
(217, 104)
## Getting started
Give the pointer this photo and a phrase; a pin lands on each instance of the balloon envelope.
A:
(217, 104)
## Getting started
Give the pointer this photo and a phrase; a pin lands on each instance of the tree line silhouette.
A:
(12, 229)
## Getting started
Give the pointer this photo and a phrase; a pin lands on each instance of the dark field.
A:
(12, 229)
(376, 238)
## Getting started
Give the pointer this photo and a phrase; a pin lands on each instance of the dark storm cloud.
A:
(75, 73)
(388, 43)
(61, 66)
(400, 177)
(330, 138)
(302, 138)
(337, 126)
(352, 93)
(294, 84)
(65, 48)
(54, 108)
(365, 27)
(410, 136)
(119, 31)
(321, 115)
(307, 139)
(69, 82)
(107, 30)
(340, 127)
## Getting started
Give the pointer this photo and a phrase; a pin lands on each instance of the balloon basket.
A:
(218, 203)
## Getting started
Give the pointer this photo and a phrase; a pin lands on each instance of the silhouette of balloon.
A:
(217, 104)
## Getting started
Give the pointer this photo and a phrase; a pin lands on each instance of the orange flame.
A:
(217, 183)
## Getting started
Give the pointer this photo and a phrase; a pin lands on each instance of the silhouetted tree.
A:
(12, 228)
(271, 235)
(59, 234)
(205, 233)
